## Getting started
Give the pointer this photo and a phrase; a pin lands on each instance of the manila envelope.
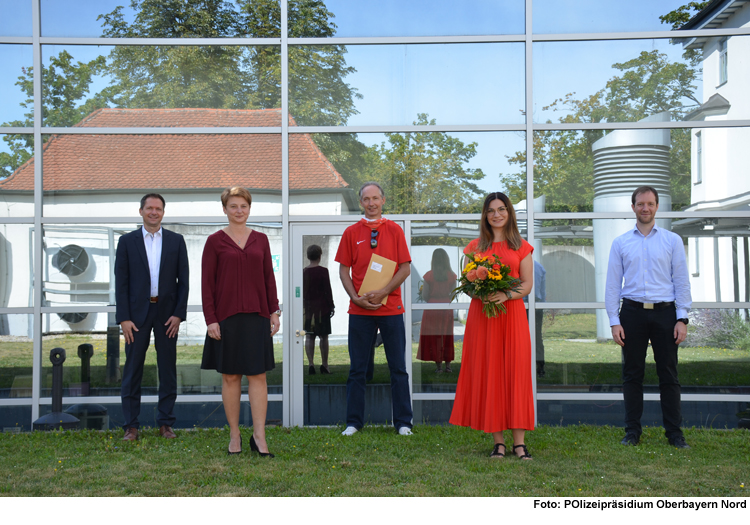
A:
(380, 271)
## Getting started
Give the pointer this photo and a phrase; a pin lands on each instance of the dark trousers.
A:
(362, 330)
(166, 361)
(640, 326)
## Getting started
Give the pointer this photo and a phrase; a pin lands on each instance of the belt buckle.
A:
(648, 306)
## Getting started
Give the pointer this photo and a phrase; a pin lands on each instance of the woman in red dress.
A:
(494, 391)
(436, 333)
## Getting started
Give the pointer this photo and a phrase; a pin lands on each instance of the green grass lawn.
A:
(435, 461)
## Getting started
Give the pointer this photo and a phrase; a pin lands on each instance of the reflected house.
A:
(718, 248)
(105, 175)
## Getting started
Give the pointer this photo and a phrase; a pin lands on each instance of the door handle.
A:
(300, 332)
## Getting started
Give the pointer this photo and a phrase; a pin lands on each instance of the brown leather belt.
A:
(154, 300)
(648, 306)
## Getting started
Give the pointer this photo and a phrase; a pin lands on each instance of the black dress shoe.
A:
(630, 439)
(311, 370)
(679, 442)
(254, 448)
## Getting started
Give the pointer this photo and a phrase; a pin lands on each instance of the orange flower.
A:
(491, 259)
(482, 273)
(495, 266)
(472, 276)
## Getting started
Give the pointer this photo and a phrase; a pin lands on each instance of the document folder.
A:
(379, 273)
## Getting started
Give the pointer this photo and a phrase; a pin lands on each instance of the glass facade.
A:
(566, 106)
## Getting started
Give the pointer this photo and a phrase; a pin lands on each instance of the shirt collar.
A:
(653, 230)
(145, 232)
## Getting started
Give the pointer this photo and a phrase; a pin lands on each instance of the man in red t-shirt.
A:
(375, 234)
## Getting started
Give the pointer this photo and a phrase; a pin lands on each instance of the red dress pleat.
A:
(494, 390)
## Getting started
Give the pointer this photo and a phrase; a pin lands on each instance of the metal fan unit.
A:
(73, 317)
(71, 260)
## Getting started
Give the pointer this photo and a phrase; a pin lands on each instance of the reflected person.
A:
(436, 331)
(317, 300)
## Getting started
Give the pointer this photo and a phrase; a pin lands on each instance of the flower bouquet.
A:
(482, 277)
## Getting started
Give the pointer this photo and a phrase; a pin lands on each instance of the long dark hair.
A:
(441, 265)
(486, 235)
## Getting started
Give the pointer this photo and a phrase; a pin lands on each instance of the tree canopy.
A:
(425, 172)
(65, 88)
(563, 169)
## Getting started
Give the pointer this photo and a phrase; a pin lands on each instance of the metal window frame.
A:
(528, 38)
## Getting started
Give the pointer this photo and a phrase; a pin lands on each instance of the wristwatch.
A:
(278, 312)
(684, 321)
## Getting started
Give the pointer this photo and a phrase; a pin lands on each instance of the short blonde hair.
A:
(236, 191)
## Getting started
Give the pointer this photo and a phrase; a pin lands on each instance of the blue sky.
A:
(455, 83)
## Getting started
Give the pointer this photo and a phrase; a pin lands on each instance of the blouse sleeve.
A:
(524, 250)
(271, 295)
(209, 264)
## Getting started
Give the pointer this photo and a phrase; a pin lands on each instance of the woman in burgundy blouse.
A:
(242, 314)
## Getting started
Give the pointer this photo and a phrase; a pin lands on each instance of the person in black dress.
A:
(317, 299)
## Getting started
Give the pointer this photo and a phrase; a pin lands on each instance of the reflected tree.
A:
(65, 88)
(425, 172)
(563, 169)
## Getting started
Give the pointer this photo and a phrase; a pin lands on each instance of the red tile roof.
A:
(173, 162)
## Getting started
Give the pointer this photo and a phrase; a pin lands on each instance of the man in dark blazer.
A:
(151, 282)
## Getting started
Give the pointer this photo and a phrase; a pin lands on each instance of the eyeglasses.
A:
(373, 239)
(501, 209)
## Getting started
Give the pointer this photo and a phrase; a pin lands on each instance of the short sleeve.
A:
(471, 247)
(344, 252)
(524, 250)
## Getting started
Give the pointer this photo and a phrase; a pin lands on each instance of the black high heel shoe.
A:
(238, 452)
(254, 448)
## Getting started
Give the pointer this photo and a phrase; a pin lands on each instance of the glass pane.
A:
(95, 357)
(16, 355)
(15, 418)
(16, 87)
(561, 412)
(437, 335)
(16, 19)
(79, 267)
(578, 357)
(626, 81)
(575, 255)
(209, 414)
(425, 172)
(600, 16)
(361, 18)
(16, 265)
(106, 175)
(597, 170)
(407, 84)
(115, 18)
(326, 323)
(162, 86)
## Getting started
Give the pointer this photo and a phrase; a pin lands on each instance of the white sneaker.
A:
(350, 431)
(404, 431)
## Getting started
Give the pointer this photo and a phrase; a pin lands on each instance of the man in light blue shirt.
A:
(648, 271)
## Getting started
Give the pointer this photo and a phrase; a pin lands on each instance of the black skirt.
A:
(318, 323)
(246, 346)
